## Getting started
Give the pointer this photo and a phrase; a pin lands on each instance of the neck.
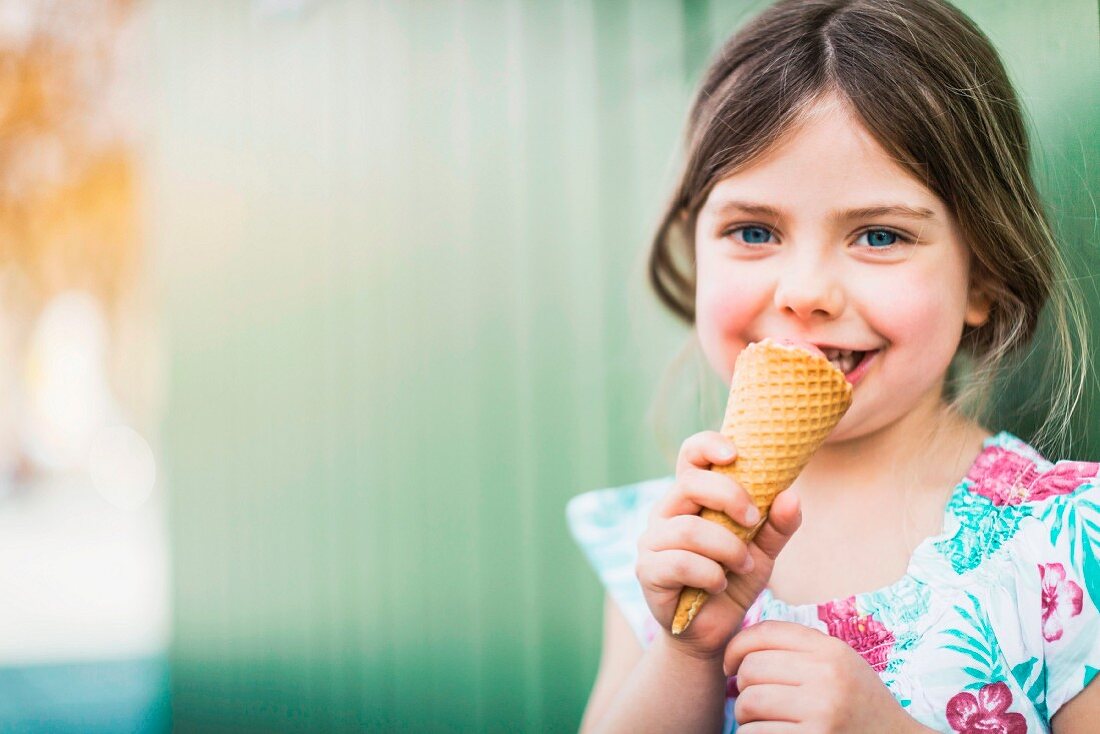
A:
(930, 448)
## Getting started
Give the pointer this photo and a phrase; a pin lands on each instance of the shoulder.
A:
(602, 512)
(1007, 509)
(1055, 557)
(1052, 508)
(606, 524)
(1011, 474)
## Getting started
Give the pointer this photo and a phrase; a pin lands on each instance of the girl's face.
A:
(826, 239)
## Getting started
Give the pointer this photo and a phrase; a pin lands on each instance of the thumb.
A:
(783, 520)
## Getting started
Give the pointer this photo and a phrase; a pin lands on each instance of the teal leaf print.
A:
(979, 644)
(1058, 509)
(1091, 569)
(1022, 671)
(1090, 673)
(983, 529)
(1037, 691)
(1080, 518)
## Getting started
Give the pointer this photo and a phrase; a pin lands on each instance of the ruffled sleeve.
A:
(606, 524)
(1067, 503)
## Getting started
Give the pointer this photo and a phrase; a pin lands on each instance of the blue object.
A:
(92, 697)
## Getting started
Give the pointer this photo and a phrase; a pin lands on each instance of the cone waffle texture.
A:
(783, 402)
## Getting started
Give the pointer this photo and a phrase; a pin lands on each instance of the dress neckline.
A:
(921, 562)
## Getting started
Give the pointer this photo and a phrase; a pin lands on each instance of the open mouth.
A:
(849, 361)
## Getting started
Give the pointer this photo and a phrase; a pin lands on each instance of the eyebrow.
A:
(865, 212)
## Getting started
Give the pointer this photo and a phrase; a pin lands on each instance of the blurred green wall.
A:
(399, 248)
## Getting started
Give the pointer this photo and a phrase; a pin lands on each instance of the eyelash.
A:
(901, 237)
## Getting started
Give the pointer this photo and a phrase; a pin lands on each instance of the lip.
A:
(823, 347)
(864, 364)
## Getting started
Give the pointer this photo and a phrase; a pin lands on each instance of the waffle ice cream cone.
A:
(783, 401)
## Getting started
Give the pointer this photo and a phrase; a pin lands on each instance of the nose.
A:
(809, 289)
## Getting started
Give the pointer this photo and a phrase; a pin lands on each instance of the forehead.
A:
(828, 159)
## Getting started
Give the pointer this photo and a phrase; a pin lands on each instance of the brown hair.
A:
(928, 85)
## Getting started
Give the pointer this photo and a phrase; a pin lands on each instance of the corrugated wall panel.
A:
(401, 250)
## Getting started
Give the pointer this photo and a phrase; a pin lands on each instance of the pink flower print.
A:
(650, 628)
(1002, 476)
(1063, 478)
(863, 633)
(986, 714)
(1061, 599)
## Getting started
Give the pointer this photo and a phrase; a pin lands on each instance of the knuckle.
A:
(692, 444)
(747, 707)
(737, 550)
(835, 672)
(829, 715)
(680, 566)
(684, 486)
(680, 531)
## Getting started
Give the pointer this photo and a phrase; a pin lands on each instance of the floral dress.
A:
(996, 622)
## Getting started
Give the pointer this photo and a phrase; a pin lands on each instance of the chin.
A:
(855, 424)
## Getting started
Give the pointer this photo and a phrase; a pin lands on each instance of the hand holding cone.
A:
(783, 402)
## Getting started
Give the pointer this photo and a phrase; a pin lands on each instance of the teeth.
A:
(843, 359)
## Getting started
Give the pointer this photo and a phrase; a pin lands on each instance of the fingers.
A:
(674, 569)
(708, 539)
(699, 488)
(704, 449)
(770, 635)
(767, 703)
(771, 666)
(784, 519)
(770, 727)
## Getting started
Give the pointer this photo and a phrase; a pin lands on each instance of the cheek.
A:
(922, 314)
(724, 312)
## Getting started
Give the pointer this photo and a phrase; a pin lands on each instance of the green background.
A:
(399, 248)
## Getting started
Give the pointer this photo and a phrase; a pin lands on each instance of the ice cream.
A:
(784, 400)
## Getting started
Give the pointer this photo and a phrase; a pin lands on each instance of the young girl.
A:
(857, 178)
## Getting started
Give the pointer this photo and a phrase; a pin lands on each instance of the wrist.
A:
(688, 658)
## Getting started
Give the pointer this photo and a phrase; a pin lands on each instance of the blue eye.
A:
(880, 237)
(754, 235)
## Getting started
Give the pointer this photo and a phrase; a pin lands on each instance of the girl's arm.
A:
(621, 652)
(1078, 716)
(661, 689)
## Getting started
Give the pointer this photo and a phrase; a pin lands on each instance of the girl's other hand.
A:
(680, 549)
(790, 673)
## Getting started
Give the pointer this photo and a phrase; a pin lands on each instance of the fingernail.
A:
(752, 515)
(725, 453)
(747, 565)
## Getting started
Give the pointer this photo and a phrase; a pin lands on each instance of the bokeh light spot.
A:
(122, 467)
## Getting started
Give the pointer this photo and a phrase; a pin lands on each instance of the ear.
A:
(978, 306)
